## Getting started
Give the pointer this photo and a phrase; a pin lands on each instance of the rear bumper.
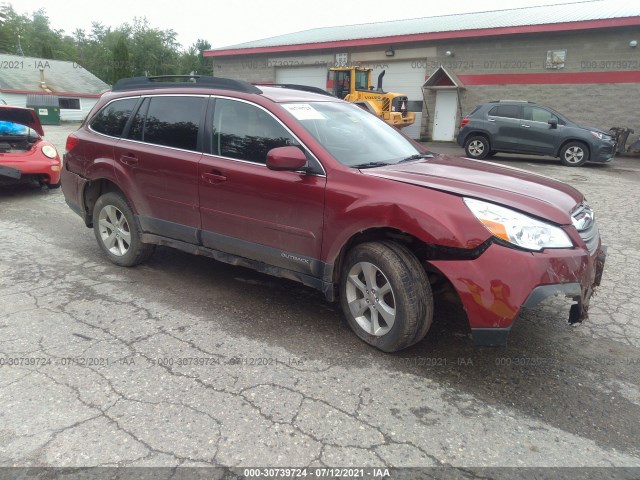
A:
(495, 286)
(73, 190)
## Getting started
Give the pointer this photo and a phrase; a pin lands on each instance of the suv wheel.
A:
(386, 296)
(477, 147)
(118, 232)
(574, 154)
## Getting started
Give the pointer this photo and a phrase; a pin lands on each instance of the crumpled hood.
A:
(23, 116)
(528, 192)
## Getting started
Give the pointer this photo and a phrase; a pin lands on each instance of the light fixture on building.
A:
(633, 43)
(449, 53)
(390, 52)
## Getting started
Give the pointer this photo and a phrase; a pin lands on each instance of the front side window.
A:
(245, 132)
(506, 111)
(537, 114)
(174, 121)
(112, 119)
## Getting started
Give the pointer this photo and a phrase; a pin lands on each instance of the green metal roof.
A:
(518, 17)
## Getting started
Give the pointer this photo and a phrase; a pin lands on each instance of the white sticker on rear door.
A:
(304, 111)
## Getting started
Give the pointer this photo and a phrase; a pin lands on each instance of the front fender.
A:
(433, 217)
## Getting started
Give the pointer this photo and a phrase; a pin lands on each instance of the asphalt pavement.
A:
(184, 361)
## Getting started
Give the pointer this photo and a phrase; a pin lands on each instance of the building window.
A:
(70, 103)
(556, 59)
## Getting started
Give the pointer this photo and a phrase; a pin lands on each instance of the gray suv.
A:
(530, 128)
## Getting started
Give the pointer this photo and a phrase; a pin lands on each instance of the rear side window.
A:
(174, 122)
(245, 132)
(112, 118)
(137, 125)
(507, 111)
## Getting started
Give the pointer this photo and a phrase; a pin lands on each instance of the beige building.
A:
(580, 58)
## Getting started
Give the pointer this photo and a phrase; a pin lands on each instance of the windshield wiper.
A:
(370, 165)
(417, 156)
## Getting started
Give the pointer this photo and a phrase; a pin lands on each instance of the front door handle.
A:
(526, 126)
(213, 178)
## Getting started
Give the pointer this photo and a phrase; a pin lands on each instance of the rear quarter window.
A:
(112, 119)
(474, 110)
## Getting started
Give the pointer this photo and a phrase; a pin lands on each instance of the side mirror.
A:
(289, 159)
(553, 122)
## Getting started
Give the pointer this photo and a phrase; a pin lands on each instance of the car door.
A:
(246, 209)
(159, 158)
(504, 125)
(537, 135)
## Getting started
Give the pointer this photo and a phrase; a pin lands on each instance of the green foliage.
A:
(131, 49)
(47, 52)
(120, 60)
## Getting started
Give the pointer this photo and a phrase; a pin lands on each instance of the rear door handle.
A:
(129, 159)
(491, 119)
(213, 178)
(526, 126)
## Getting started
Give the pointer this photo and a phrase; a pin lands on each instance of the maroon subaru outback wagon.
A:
(308, 187)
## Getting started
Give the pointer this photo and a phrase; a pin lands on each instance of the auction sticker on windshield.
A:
(304, 111)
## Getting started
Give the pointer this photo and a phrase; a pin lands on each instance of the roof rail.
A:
(510, 101)
(184, 81)
(295, 86)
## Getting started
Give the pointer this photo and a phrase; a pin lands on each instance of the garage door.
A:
(315, 76)
(406, 77)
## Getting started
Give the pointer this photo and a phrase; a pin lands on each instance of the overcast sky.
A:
(228, 22)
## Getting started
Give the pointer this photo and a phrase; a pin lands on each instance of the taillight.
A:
(464, 121)
(72, 142)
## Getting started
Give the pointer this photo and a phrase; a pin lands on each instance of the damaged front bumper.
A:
(495, 286)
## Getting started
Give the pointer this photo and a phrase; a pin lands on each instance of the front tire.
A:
(386, 296)
(118, 232)
(477, 147)
(574, 154)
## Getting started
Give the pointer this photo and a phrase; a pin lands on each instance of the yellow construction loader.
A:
(353, 84)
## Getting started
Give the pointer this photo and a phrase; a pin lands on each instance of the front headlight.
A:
(517, 228)
(49, 151)
(602, 136)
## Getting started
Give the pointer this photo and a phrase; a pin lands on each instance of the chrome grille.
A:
(584, 220)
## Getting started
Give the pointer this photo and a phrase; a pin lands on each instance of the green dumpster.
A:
(47, 108)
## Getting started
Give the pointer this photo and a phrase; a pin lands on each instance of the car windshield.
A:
(355, 137)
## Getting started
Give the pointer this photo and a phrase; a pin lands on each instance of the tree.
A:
(206, 64)
(120, 60)
(47, 52)
(135, 48)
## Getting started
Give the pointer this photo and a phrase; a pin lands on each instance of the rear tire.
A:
(53, 186)
(386, 296)
(574, 154)
(117, 231)
(477, 147)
